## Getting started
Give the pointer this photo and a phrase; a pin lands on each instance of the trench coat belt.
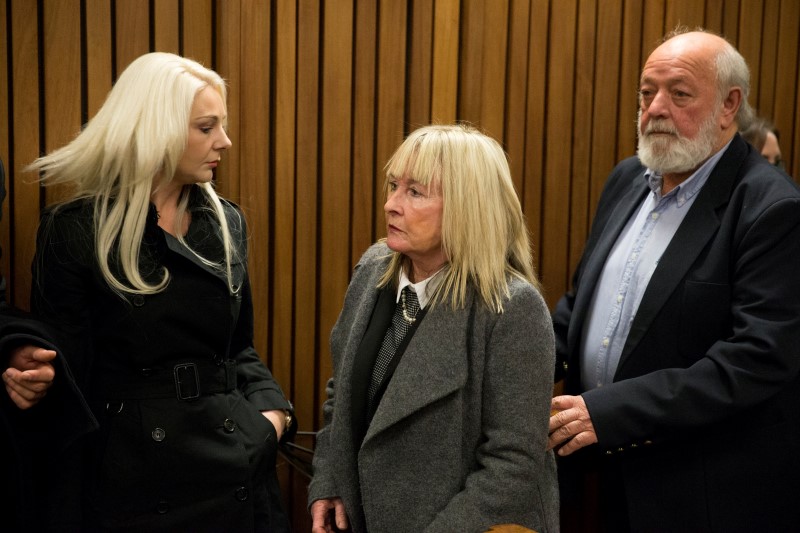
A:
(186, 381)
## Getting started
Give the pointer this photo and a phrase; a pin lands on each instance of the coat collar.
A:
(430, 369)
(701, 223)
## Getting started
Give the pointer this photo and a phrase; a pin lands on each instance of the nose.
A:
(224, 141)
(392, 204)
(658, 107)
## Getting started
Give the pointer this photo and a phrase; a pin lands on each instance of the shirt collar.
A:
(424, 289)
(691, 186)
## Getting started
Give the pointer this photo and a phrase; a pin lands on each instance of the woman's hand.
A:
(278, 419)
(328, 516)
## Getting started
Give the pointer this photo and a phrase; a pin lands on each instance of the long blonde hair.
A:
(133, 143)
(484, 236)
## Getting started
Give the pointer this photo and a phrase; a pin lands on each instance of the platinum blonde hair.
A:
(484, 236)
(132, 146)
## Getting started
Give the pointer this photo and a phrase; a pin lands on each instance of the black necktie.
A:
(405, 314)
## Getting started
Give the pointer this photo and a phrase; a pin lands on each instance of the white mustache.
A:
(660, 126)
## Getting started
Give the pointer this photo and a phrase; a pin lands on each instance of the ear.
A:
(730, 106)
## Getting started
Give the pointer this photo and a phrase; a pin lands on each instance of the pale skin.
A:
(678, 85)
(414, 228)
(206, 143)
(29, 374)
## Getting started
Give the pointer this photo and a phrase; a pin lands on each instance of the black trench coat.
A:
(172, 378)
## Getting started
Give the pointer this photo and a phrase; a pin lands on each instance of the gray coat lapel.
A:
(433, 366)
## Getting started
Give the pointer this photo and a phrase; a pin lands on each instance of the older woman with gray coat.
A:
(443, 357)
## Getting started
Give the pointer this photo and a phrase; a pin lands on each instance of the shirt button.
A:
(158, 434)
(162, 507)
(619, 298)
(605, 342)
(242, 494)
(229, 425)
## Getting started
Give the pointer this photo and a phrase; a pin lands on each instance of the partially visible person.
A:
(143, 273)
(38, 414)
(679, 341)
(436, 417)
(764, 137)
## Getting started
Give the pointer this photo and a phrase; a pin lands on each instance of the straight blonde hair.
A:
(133, 145)
(484, 236)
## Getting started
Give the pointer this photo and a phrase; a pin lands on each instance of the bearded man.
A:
(679, 341)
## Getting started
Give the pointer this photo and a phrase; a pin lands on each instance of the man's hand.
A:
(29, 374)
(325, 512)
(571, 425)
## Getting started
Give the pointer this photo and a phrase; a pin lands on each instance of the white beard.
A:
(675, 154)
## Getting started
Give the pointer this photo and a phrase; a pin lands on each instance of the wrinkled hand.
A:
(325, 512)
(571, 425)
(29, 374)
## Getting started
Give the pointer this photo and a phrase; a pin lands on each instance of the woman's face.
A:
(414, 222)
(207, 139)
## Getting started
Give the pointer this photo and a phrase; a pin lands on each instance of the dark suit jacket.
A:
(702, 422)
(26, 437)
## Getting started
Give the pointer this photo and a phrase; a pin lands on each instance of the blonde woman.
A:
(443, 357)
(143, 271)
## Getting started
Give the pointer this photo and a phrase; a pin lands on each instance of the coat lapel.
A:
(615, 223)
(434, 365)
(700, 225)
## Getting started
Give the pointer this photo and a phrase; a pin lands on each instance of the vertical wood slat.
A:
(420, 64)
(366, 213)
(493, 67)
(516, 89)
(24, 196)
(166, 23)
(535, 122)
(311, 373)
(787, 84)
(446, 43)
(62, 92)
(5, 215)
(132, 26)
(584, 128)
(335, 149)
(197, 19)
(98, 54)
(558, 167)
(254, 190)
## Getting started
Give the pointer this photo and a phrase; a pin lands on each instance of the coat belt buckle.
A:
(187, 381)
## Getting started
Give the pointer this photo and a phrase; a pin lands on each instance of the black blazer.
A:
(703, 417)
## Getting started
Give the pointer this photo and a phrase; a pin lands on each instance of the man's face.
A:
(679, 109)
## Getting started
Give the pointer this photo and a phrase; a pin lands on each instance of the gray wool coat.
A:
(458, 440)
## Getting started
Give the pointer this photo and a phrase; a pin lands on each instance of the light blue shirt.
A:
(628, 269)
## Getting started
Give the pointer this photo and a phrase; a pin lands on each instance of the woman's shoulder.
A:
(72, 216)
(522, 293)
(377, 254)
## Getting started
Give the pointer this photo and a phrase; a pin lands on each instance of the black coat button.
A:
(242, 494)
(158, 434)
(229, 425)
(162, 507)
(138, 300)
(146, 372)
(218, 359)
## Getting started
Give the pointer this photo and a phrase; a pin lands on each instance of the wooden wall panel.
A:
(321, 92)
